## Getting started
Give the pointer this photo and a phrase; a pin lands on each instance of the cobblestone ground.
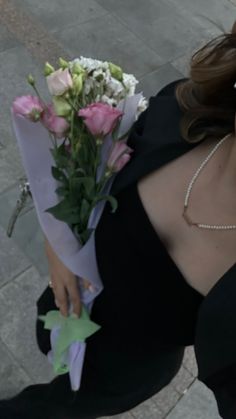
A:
(152, 39)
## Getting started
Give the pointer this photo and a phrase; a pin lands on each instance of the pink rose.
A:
(100, 118)
(28, 106)
(55, 124)
(119, 156)
(59, 82)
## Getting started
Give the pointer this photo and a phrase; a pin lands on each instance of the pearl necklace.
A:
(186, 217)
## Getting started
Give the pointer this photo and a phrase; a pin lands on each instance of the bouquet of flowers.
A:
(72, 148)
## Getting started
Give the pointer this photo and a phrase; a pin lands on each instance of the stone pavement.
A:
(152, 39)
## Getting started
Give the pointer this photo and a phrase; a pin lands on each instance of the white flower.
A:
(105, 65)
(88, 85)
(97, 73)
(142, 106)
(104, 87)
(110, 101)
(130, 82)
(114, 87)
(88, 64)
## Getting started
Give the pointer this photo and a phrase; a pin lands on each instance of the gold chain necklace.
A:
(186, 217)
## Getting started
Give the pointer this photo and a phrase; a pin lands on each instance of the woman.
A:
(170, 245)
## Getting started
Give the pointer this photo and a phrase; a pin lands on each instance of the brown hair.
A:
(208, 98)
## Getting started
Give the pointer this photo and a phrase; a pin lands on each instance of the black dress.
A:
(140, 346)
(144, 330)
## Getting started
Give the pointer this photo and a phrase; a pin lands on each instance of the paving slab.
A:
(126, 415)
(182, 380)
(166, 399)
(197, 403)
(7, 40)
(13, 376)
(147, 410)
(161, 25)
(27, 233)
(123, 48)
(189, 361)
(15, 65)
(11, 167)
(17, 323)
(13, 260)
(29, 237)
(212, 14)
(151, 83)
(55, 16)
(30, 32)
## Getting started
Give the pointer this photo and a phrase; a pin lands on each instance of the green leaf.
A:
(87, 182)
(84, 235)
(89, 185)
(65, 212)
(80, 170)
(58, 174)
(111, 199)
(84, 211)
(62, 161)
(61, 191)
(60, 156)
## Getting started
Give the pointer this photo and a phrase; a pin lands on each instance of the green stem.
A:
(72, 130)
(72, 104)
(38, 94)
(54, 141)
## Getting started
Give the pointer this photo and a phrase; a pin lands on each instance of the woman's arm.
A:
(65, 283)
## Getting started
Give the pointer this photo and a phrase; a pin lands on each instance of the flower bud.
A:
(31, 80)
(63, 63)
(48, 69)
(77, 83)
(61, 106)
(77, 68)
(116, 71)
(119, 156)
(55, 124)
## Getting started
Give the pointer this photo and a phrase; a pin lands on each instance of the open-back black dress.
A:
(140, 346)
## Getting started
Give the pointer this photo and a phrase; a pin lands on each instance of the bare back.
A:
(202, 256)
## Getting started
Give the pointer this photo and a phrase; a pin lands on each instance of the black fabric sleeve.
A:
(138, 126)
(215, 343)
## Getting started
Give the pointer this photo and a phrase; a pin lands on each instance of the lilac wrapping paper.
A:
(34, 143)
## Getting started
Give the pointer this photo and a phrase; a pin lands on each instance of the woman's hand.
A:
(64, 282)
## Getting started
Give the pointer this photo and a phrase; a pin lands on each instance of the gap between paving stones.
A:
(17, 275)
(181, 396)
(14, 359)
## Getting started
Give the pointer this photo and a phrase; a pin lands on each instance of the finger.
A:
(61, 298)
(86, 283)
(74, 296)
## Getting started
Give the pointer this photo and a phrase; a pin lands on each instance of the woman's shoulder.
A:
(162, 112)
(156, 129)
(160, 121)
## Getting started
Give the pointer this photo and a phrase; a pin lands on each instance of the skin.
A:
(64, 283)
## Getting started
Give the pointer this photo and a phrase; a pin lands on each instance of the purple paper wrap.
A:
(34, 143)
